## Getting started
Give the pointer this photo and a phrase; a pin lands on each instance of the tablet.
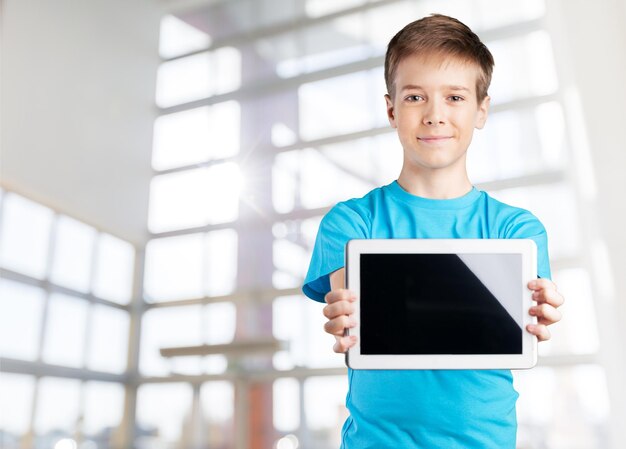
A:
(441, 303)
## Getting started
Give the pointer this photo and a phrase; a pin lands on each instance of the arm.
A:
(339, 304)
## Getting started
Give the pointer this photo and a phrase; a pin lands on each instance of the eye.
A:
(456, 98)
(414, 98)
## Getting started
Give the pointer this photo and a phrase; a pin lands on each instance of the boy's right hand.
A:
(340, 304)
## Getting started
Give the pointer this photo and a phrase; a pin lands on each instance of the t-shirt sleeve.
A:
(339, 225)
(527, 226)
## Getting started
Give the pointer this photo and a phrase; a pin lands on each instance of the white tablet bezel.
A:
(525, 247)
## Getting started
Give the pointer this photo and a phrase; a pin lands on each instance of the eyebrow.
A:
(416, 87)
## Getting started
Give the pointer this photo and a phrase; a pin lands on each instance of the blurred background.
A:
(166, 163)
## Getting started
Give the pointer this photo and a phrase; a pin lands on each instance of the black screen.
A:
(436, 304)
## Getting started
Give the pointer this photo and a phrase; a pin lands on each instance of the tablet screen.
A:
(441, 304)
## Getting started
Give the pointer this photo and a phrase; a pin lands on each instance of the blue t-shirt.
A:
(425, 409)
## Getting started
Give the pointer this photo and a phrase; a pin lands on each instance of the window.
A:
(288, 100)
(73, 254)
(170, 327)
(58, 407)
(25, 237)
(196, 135)
(203, 74)
(103, 407)
(218, 407)
(40, 324)
(195, 197)
(16, 395)
(191, 266)
(114, 269)
(162, 426)
(108, 339)
(286, 402)
(21, 311)
(64, 342)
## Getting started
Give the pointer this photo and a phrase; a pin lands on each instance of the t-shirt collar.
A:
(398, 192)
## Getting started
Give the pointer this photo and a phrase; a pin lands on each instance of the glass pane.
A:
(527, 58)
(561, 224)
(274, 12)
(218, 400)
(170, 327)
(574, 412)
(283, 135)
(286, 404)
(115, 266)
(226, 19)
(174, 268)
(215, 364)
(73, 250)
(317, 8)
(103, 408)
(297, 181)
(384, 21)
(25, 235)
(221, 270)
(195, 197)
(222, 19)
(219, 323)
(317, 47)
(196, 135)
(291, 261)
(184, 80)
(550, 122)
(198, 76)
(57, 407)
(21, 310)
(377, 160)
(339, 105)
(108, 339)
(578, 332)
(518, 143)
(293, 232)
(178, 37)
(498, 13)
(300, 321)
(161, 426)
(303, 232)
(64, 342)
(16, 395)
(324, 399)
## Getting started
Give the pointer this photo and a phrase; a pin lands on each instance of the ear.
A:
(483, 111)
(390, 112)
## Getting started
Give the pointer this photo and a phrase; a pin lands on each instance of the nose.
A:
(434, 114)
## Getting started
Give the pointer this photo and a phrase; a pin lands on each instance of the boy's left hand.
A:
(548, 299)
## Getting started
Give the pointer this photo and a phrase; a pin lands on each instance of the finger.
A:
(537, 284)
(551, 297)
(540, 330)
(338, 308)
(341, 294)
(344, 343)
(336, 326)
(545, 313)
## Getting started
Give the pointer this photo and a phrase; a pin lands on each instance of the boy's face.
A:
(435, 111)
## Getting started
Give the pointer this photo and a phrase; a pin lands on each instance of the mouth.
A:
(433, 139)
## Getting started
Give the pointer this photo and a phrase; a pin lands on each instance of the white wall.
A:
(78, 82)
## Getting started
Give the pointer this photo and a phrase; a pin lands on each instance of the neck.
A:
(434, 184)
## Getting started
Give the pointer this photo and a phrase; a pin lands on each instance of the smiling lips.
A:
(433, 139)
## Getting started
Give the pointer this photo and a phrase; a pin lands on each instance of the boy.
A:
(437, 73)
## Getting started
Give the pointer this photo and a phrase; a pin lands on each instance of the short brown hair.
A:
(444, 36)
